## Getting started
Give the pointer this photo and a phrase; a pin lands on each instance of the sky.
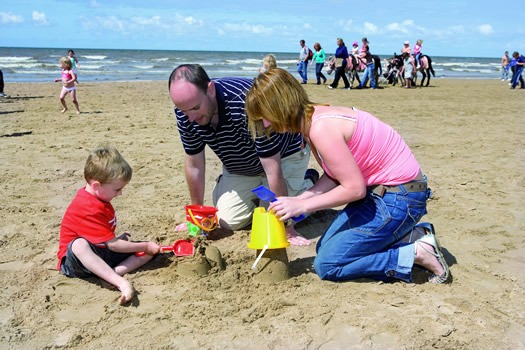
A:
(464, 28)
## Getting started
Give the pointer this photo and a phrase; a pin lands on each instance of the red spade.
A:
(181, 247)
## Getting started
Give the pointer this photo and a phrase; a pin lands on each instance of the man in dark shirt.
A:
(212, 112)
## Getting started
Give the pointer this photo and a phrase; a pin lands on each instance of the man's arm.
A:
(195, 169)
(274, 174)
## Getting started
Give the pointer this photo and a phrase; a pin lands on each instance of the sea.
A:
(103, 65)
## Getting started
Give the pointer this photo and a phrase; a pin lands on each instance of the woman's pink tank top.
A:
(382, 155)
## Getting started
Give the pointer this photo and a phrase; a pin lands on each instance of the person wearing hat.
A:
(355, 48)
(406, 48)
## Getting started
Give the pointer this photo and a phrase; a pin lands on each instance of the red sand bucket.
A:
(202, 216)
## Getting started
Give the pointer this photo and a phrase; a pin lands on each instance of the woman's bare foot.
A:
(426, 259)
(127, 293)
(295, 238)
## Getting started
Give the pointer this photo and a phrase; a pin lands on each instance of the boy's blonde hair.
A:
(269, 61)
(105, 164)
(277, 97)
(66, 61)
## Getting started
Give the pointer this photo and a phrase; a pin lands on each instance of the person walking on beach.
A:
(68, 84)
(2, 94)
(370, 66)
(505, 60)
(302, 64)
(212, 112)
(408, 70)
(88, 246)
(518, 70)
(74, 63)
(319, 58)
(341, 62)
(369, 168)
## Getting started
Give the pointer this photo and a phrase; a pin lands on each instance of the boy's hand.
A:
(152, 248)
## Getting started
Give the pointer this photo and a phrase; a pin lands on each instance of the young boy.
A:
(88, 246)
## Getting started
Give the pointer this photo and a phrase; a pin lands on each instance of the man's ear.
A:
(211, 89)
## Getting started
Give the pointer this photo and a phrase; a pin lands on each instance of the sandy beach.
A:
(468, 135)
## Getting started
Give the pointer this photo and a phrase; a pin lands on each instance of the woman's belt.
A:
(419, 184)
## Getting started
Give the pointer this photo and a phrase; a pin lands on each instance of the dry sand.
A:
(467, 134)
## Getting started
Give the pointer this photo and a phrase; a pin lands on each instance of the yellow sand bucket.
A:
(267, 231)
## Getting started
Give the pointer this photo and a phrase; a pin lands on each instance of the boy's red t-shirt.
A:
(87, 217)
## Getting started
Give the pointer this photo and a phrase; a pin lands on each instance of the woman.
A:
(341, 57)
(368, 167)
(319, 58)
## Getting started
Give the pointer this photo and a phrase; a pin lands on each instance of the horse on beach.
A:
(392, 68)
(425, 67)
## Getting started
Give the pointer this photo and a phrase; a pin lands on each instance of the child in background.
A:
(88, 246)
(417, 51)
(355, 49)
(74, 63)
(68, 84)
(268, 62)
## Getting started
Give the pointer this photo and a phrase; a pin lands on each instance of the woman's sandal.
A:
(432, 240)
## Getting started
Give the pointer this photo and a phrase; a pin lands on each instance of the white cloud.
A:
(397, 27)
(189, 20)
(247, 28)
(110, 23)
(370, 28)
(39, 17)
(8, 17)
(485, 29)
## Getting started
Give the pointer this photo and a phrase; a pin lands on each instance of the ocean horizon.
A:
(105, 65)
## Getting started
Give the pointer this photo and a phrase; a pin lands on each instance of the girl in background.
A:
(417, 50)
(68, 83)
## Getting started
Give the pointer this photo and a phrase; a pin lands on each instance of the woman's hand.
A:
(287, 207)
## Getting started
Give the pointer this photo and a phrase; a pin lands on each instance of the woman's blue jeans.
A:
(363, 241)
(318, 74)
(369, 73)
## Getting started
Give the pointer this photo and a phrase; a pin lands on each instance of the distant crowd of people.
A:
(344, 60)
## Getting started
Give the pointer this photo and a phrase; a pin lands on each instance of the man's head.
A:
(193, 93)
(302, 43)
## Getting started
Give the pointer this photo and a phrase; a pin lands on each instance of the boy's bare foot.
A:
(127, 293)
(78, 112)
(64, 110)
